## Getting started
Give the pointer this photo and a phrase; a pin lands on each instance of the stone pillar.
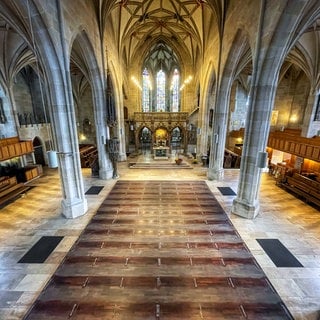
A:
(202, 141)
(205, 117)
(105, 165)
(113, 151)
(74, 203)
(54, 56)
(310, 127)
(246, 204)
(122, 156)
(218, 138)
(185, 139)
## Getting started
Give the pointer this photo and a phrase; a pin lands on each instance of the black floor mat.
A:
(226, 191)
(41, 250)
(279, 254)
(94, 190)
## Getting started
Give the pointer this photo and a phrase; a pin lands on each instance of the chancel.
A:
(162, 153)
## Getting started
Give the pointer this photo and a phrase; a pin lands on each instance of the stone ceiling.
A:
(137, 27)
(155, 29)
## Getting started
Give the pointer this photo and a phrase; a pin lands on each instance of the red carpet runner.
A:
(159, 250)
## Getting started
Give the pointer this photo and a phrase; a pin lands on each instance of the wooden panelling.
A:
(309, 152)
(303, 149)
(6, 141)
(316, 153)
(292, 147)
(12, 152)
(5, 153)
(11, 148)
(286, 145)
(297, 148)
(292, 143)
(17, 148)
(31, 173)
(23, 147)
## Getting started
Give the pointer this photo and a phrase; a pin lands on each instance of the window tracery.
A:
(145, 91)
(175, 91)
(161, 91)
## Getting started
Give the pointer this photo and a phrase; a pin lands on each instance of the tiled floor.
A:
(159, 250)
(282, 216)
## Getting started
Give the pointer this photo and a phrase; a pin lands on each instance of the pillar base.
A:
(244, 210)
(74, 208)
(105, 174)
(214, 174)
(122, 157)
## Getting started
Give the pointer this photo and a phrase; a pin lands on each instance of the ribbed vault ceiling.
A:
(157, 31)
(138, 26)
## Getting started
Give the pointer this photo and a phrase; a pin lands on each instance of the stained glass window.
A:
(145, 91)
(175, 91)
(161, 91)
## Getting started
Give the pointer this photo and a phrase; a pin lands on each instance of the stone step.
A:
(159, 165)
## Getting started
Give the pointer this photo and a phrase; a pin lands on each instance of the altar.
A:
(160, 153)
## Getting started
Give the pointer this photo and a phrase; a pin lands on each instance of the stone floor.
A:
(282, 216)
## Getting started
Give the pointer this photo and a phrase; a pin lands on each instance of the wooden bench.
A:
(10, 189)
(307, 189)
(88, 155)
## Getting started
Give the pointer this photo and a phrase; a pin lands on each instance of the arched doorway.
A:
(176, 140)
(38, 151)
(145, 139)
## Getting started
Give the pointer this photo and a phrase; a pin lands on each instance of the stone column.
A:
(207, 104)
(136, 140)
(185, 139)
(102, 129)
(218, 139)
(74, 203)
(246, 204)
(310, 127)
(122, 147)
(105, 164)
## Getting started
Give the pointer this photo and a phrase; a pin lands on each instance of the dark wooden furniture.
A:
(305, 188)
(13, 147)
(231, 159)
(88, 155)
(32, 172)
(14, 177)
(291, 142)
(10, 189)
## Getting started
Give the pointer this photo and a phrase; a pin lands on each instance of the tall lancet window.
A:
(175, 91)
(161, 91)
(146, 91)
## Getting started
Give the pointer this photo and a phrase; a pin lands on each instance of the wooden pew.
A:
(10, 189)
(88, 155)
(307, 189)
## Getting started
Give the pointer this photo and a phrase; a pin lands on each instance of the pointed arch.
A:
(161, 91)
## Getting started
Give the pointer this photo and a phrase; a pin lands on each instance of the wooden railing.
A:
(12, 147)
(290, 141)
(293, 143)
